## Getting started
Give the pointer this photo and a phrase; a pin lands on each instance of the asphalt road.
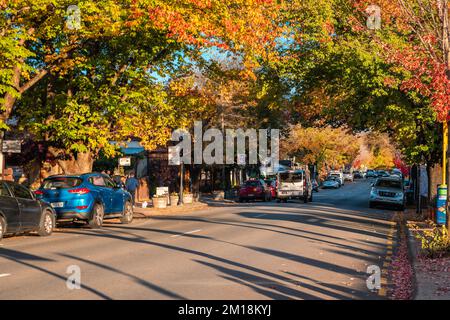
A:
(318, 250)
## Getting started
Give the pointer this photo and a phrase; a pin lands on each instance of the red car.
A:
(272, 184)
(254, 189)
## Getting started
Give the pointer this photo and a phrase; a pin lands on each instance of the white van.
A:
(294, 184)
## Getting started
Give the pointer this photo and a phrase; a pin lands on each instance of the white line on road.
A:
(182, 234)
(2, 275)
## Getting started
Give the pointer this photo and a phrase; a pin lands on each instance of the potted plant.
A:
(174, 198)
(188, 197)
(159, 202)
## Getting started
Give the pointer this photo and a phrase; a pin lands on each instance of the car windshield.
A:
(389, 184)
(251, 184)
(291, 177)
(61, 183)
(331, 179)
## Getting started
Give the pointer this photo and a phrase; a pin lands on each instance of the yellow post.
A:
(444, 155)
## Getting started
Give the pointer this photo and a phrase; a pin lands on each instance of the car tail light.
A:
(82, 207)
(39, 192)
(80, 191)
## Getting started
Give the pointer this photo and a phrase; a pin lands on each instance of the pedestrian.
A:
(131, 185)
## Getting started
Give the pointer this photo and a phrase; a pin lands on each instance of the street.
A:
(256, 250)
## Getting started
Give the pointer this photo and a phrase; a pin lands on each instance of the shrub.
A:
(435, 241)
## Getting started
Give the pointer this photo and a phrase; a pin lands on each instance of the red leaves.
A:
(402, 273)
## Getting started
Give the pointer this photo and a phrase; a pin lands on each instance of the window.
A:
(98, 181)
(21, 192)
(61, 183)
(389, 184)
(109, 183)
(4, 190)
(291, 177)
(252, 183)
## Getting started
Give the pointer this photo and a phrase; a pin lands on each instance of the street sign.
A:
(125, 162)
(162, 191)
(12, 146)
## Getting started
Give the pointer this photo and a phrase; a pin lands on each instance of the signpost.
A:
(12, 146)
(125, 162)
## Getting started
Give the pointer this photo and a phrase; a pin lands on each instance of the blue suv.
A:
(89, 197)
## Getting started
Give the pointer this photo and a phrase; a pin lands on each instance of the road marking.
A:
(3, 275)
(383, 292)
(182, 234)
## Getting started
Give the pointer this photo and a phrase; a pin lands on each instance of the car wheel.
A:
(96, 220)
(127, 216)
(401, 208)
(47, 224)
(2, 227)
(241, 200)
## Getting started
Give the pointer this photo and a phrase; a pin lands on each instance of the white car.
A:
(339, 175)
(331, 183)
(348, 176)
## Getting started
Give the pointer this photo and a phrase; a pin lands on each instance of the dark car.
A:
(90, 197)
(254, 190)
(358, 175)
(371, 174)
(21, 212)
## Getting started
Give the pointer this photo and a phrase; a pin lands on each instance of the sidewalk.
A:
(432, 276)
(203, 204)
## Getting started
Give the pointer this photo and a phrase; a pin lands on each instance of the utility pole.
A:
(2, 157)
(180, 202)
(443, 10)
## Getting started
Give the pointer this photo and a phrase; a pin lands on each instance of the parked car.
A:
(331, 183)
(91, 197)
(339, 175)
(358, 174)
(348, 176)
(371, 174)
(20, 211)
(272, 184)
(382, 174)
(315, 185)
(254, 190)
(294, 184)
(387, 191)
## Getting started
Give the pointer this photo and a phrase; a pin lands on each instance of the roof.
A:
(129, 148)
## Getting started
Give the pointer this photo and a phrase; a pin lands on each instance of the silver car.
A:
(387, 191)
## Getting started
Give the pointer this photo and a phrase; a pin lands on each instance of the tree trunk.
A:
(79, 163)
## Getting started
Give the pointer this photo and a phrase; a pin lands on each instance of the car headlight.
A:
(373, 193)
